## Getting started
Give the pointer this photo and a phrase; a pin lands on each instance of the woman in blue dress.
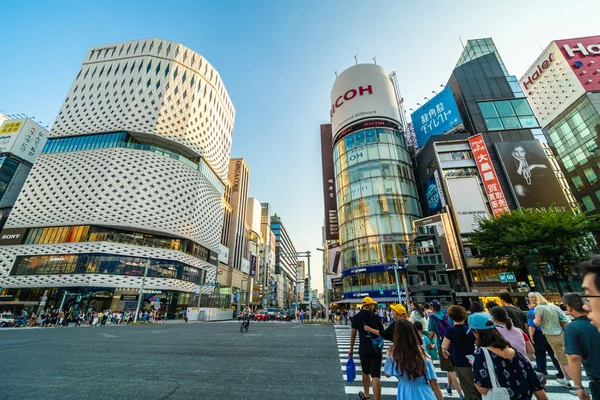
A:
(408, 362)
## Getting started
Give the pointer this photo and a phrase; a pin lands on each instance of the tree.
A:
(513, 240)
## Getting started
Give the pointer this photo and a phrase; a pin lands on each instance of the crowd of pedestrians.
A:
(62, 318)
(497, 351)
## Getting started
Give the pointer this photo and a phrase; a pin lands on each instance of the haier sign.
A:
(438, 116)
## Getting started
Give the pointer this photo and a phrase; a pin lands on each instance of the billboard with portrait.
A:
(531, 176)
(436, 117)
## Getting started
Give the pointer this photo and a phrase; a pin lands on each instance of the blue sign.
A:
(372, 268)
(506, 277)
(549, 267)
(437, 116)
(432, 194)
(373, 294)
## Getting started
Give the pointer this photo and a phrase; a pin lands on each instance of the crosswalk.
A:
(389, 385)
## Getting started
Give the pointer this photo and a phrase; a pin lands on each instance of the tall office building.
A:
(377, 198)
(286, 264)
(563, 88)
(239, 175)
(132, 177)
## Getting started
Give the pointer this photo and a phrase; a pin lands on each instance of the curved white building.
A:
(133, 174)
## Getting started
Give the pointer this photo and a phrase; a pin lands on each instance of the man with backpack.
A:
(370, 354)
(439, 322)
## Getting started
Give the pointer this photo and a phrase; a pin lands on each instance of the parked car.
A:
(6, 320)
(261, 316)
(272, 312)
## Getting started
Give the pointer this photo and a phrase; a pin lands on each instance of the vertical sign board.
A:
(467, 201)
(488, 175)
(434, 194)
(331, 217)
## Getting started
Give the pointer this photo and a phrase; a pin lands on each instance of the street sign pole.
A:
(139, 304)
(396, 266)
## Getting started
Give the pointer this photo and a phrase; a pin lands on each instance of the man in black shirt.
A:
(518, 317)
(370, 361)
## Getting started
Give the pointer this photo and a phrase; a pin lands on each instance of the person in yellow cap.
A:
(370, 361)
(399, 312)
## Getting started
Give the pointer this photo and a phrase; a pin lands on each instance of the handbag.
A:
(376, 342)
(350, 370)
(497, 392)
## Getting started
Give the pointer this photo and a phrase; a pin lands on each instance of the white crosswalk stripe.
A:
(389, 385)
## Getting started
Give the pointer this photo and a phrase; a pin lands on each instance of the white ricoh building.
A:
(132, 175)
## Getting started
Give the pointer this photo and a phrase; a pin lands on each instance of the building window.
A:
(507, 114)
(597, 192)
(588, 203)
(590, 175)
(578, 182)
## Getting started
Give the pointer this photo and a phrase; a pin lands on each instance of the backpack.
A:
(441, 326)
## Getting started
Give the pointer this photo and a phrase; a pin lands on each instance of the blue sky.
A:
(277, 59)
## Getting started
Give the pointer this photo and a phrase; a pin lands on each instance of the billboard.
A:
(467, 201)
(223, 254)
(581, 55)
(334, 260)
(434, 195)
(533, 181)
(331, 217)
(361, 92)
(437, 116)
(245, 266)
(488, 175)
(24, 138)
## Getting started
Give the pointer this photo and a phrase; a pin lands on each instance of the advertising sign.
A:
(223, 254)
(582, 54)
(23, 138)
(434, 194)
(334, 260)
(331, 217)
(437, 116)
(245, 266)
(12, 236)
(467, 201)
(361, 92)
(253, 266)
(530, 174)
(488, 175)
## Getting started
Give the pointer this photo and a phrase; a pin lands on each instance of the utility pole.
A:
(309, 288)
(139, 303)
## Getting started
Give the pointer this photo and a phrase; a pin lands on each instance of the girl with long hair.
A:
(417, 314)
(513, 335)
(408, 362)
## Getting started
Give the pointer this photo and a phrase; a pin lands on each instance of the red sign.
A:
(583, 56)
(349, 95)
(488, 175)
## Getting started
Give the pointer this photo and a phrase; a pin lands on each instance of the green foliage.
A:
(512, 240)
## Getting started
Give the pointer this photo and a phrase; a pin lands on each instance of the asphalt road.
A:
(172, 361)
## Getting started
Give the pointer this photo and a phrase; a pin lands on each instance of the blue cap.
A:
(480, 321)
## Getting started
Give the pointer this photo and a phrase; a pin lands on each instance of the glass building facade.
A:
(575, 136)
(377, 201)
(8, 167)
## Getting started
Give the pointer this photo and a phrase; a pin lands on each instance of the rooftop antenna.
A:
(335, 74)
(461, 42)
(356, 59)
(375, 60)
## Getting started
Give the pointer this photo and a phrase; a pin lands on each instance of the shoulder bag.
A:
(497, 392)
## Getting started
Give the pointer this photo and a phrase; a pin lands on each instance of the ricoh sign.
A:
(362, 92)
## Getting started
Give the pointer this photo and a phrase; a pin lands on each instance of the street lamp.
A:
(307, 255)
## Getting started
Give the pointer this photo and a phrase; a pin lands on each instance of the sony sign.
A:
(360, 93)
(12, 236)
(581, 48)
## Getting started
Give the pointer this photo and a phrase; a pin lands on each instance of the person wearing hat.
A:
(511, 370)
(399, 312)
(370, 361)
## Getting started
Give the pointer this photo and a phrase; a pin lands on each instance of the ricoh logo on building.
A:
(349, 95)
(539, 71)
(593, 49)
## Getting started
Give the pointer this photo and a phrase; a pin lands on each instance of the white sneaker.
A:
(565, 383)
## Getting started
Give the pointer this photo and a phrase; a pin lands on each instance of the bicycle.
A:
(245, 324)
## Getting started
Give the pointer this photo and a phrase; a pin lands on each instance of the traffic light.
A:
(306, 281)
(380, 289)
(78, 299)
